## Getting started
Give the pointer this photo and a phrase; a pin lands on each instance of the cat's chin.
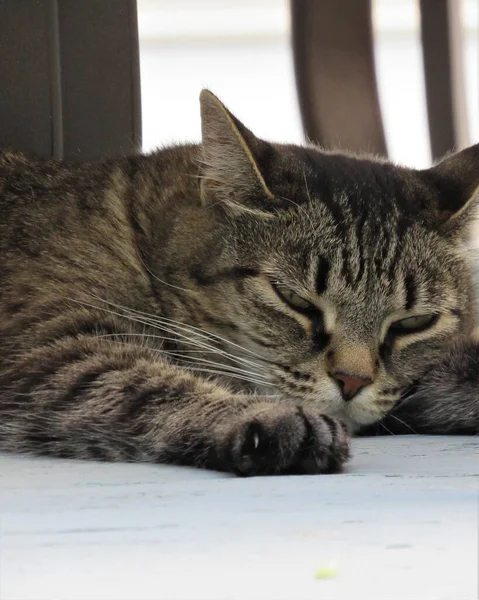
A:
(361, 412)
(358, 416)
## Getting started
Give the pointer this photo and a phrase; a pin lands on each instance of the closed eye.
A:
(293, 300)
(413, 324)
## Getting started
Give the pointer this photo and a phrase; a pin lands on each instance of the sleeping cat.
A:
(236, 305)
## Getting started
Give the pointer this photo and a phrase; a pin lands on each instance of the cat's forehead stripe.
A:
(322, 274)
(346, 266)
(410, 287)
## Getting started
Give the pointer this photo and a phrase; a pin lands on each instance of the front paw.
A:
(274, 439)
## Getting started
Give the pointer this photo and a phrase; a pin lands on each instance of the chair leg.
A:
(30, 103)
(70, 78)
(335, 74)
(100, 78)
(444, 75)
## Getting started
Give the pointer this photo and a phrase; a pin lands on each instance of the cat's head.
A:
(347, 275)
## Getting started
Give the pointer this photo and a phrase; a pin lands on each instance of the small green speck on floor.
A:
(328, 571)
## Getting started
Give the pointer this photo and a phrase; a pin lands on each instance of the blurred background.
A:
(241, 50)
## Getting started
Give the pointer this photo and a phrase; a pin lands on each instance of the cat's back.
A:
(45, 202)
(60, 220)
(29, 182)
(49, 199)
(79, 221)
(32, 183)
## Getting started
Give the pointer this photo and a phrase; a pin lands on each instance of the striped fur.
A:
(141, 318)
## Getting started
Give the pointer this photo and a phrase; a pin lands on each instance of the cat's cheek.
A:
(365, 409)
(416, 359)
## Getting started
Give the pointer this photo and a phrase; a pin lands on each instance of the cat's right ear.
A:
(456, 182)
(231, 174)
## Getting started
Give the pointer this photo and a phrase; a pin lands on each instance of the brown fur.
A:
(139, 309)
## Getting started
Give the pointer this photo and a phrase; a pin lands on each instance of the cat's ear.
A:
(231, 174)
(456, 183)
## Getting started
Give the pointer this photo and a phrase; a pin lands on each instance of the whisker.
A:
(200, 344)
(226, 368)
(161, 327)
(224, 374)
(307, 188)
(181, 355)
(176, 287)
(402, 422)
(214, 364)
(384, 427)
(154, 320)
(127, 334)
(223, 370)
(185, 328)
(179, 323)
(301, 208)
(135, 319)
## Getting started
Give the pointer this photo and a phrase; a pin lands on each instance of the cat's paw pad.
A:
(286, 439)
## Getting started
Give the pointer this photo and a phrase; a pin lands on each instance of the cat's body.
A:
(231, 305)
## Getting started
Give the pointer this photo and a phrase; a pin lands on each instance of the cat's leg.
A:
(445, 401)
(88, 398)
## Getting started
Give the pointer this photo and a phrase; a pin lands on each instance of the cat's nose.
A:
(350, 384)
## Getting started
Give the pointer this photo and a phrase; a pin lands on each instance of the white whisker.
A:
(176, 287)
(181, 354)
(200, 344)
(301, 208)
(185, 338)
(220, 369)
(224, 374)
(403, 422)
(384, 427)
(179, 323)
(307, 188)
(127, 334)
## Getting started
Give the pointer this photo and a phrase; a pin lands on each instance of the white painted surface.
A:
(401, 523)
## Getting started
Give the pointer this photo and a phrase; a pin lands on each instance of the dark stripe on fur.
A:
(322, 275)
(410, 287)
(199, 276)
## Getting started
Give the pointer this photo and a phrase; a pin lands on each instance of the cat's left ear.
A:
(231, 174)
(456, 182)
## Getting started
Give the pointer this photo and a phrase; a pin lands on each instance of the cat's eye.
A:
(292, 299)
(414, 324)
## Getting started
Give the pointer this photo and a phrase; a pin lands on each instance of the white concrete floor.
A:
(401, 523)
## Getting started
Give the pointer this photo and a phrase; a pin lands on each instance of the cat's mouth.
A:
(369, 406)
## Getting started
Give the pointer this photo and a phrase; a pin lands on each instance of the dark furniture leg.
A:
(70, 78)
(444, 75)
(335, 74)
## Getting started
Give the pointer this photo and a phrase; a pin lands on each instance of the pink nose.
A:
(350, 384)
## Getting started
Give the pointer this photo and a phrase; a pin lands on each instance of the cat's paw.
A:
(285, 440)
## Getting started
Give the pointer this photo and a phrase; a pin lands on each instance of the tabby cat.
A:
(236, 305)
